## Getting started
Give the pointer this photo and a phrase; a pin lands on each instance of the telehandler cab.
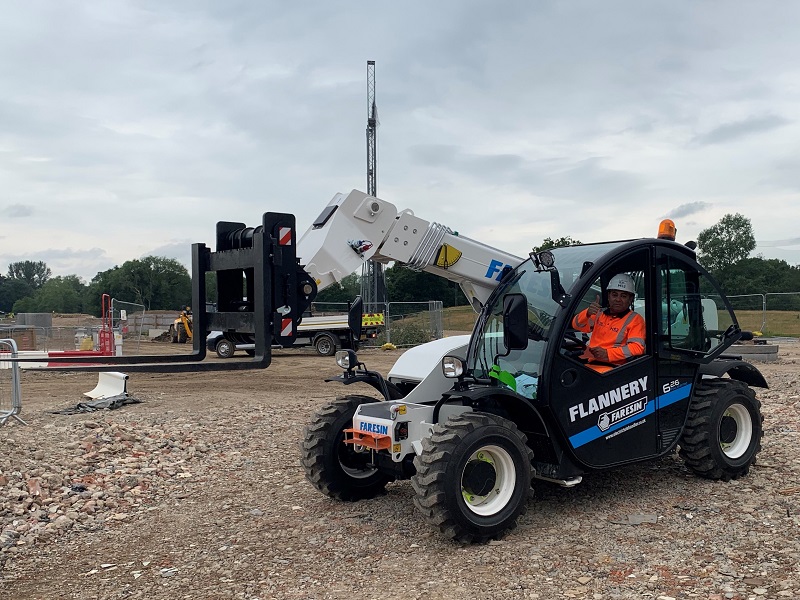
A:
(517, 401)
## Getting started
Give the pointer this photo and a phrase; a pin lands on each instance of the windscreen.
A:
(520, 369)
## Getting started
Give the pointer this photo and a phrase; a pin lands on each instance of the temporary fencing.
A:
(10, 392)
(773, 313)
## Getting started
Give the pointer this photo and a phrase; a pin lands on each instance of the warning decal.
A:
(284, 236)
(286, 328)
(371, 319)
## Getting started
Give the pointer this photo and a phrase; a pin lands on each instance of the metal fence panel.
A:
(10, 391)
(783, 313)
(412, 323)
(750, 310)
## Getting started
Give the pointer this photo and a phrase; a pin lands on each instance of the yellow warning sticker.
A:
(396, 448)
(447, 256)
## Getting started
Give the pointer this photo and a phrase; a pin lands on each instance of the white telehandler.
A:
(471, 420)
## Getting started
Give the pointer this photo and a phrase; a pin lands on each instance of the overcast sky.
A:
(130, 128)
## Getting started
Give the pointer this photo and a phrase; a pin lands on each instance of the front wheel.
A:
(473, 477)
(336, 469)
(723, 431)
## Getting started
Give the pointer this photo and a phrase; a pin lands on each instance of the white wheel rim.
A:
(505, 481)
(744, 431)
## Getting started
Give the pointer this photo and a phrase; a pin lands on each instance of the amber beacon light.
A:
(667, 230)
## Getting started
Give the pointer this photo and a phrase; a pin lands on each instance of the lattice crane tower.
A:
(373, 282)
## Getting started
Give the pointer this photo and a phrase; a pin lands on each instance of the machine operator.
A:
(618, 333)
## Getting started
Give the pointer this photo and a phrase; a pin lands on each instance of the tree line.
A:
(156, 282)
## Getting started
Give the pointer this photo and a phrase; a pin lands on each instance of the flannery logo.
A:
(608, 399)
(612, 417)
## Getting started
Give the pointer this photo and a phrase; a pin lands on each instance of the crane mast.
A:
(373, 283)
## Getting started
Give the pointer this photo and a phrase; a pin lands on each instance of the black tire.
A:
(225, 348)
(723, 430)
(173, 334)
(182, 335)
(473, 477)
(332, 466)
(325, 344)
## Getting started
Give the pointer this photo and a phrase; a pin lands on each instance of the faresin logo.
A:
(611, 398)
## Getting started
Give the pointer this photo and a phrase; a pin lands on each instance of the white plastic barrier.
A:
(109, 384)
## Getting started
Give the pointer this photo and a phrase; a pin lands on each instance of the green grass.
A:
(779, 322)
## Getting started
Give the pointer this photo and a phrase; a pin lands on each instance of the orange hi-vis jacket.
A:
(622, 335)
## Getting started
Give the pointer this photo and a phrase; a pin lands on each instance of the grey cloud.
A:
(19, 211)
(779, 243)
(560, 178)
(733, 131)
(690, 208)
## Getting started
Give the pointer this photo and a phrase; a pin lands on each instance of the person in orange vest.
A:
(618, 333)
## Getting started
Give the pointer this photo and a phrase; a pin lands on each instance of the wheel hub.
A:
(727, 430)
(735, 431)
(479, 477)
(488, 480)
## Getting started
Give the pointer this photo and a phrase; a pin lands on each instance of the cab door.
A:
(608, 418)
(693, 319)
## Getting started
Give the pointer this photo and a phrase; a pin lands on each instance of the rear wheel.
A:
(333, 467)
(173, 334)
(225, 348)
(723, 431)
(325, 344)
(473, 477)
(182, 335)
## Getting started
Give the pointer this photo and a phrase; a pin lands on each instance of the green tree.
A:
(726, 243)
(343, 291)
(405, 285)
(11, 291)
(34, 273)
(550, 243)
(61, 295)
(157, 282)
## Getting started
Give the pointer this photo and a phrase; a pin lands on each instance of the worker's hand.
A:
(594, 307)
(599, 354)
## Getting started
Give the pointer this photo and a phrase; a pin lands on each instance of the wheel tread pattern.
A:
(315, 449)
(699, 435)
(431, 478)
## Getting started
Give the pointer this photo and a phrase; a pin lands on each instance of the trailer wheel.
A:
(723, 431)
(336, 469)
(473, 477)
(225, 348)
(325, 344)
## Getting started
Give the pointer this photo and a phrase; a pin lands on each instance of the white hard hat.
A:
(622, 282)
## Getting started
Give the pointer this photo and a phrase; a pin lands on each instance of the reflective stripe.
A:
(636, 341)
(627, 352)
(621, 334)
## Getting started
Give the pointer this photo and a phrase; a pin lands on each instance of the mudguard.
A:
(735, 369)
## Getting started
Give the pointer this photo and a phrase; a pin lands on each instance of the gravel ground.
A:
(197, 492)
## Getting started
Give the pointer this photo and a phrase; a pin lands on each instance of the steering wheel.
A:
(572, 343)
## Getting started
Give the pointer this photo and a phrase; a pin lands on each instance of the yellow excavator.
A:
(181, 328)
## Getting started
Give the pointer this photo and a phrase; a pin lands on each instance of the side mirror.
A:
(355, 315)
(515, 322)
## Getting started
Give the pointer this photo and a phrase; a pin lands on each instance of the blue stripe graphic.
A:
(589, 435)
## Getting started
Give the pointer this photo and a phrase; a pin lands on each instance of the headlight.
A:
(346, 359)
(452, 367)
